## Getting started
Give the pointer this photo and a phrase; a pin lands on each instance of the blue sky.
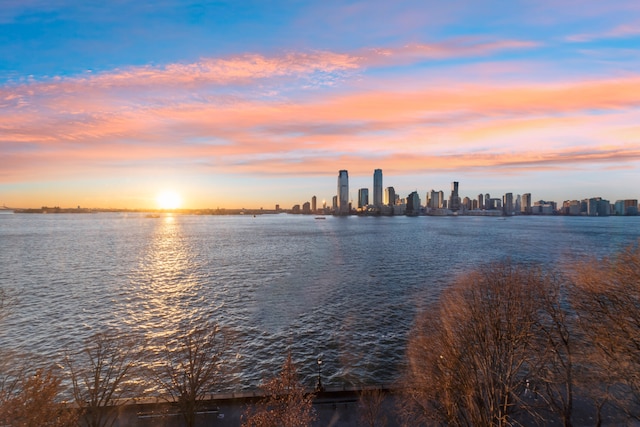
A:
(249, 104)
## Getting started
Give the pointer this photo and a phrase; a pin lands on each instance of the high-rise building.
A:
(525, 206)
(507, 204)
(343, 192)
(480, 201)
(389, 196)
(435, 200)
(313, 204)
(377, 188)
(413, 204)
(454, 199)
(363, 198)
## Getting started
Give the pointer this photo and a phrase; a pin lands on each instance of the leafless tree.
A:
(101, 375)
(608, 295)
(560, 348)
(190, 367)
(470, 355)
(370, 407)
(36, 402)
(286, 403)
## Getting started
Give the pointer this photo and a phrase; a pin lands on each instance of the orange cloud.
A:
(145, 117)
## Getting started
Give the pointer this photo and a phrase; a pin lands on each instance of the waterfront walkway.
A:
(335, 407)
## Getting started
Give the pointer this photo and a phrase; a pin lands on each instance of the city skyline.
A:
(200, 105)
(435, 202)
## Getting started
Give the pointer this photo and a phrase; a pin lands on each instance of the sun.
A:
(168, 200)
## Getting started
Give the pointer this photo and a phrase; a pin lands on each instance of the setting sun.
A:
(168, 200)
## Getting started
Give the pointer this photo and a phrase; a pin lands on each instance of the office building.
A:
(413, 204)
(377, 188)
(389, 196)
(343, 193)
(507, 204)
(363, 198)
(525, 206)
(313, 204)
(454, 199)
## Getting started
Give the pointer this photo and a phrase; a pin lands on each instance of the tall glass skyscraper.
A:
(377, 188)
(343, 193)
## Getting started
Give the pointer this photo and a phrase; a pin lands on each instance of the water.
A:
(347, 289)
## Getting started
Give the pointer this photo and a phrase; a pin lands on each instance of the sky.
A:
(256, 103)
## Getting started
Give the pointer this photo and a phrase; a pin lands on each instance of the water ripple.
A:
(344, 289)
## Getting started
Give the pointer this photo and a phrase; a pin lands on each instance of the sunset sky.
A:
(256, 103)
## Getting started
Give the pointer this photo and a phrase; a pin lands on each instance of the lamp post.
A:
(319, 385)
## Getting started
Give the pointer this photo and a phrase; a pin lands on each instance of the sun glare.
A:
(169, 200)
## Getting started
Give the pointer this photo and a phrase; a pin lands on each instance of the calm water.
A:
(344, 288)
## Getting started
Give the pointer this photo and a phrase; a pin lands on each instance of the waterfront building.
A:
(571, 207)
(306, 208)
(542, 207)
(517, 207)
(377, 188)
(525, 205)
(434, 200)
(313, 204)
(466, 204)
(507, 204)
(597, 206)
(626, 207)
(334, 204)
(480, 201)
(441, 201)
(295, 209)
(363, 198)
(389, 196)
(343, 193)
(454, 198)
(413, 204)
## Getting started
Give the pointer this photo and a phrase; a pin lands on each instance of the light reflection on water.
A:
(345, 288)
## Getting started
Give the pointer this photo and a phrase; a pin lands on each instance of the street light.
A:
(319, 385)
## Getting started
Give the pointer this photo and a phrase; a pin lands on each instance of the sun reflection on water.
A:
(166, 282)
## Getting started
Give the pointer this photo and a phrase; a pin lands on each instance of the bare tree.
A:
(370, 407)
(560, 348)
(190, 367)
(36, 402)
(608, 295)
(470, 355)
(286, 403)
(101, 375)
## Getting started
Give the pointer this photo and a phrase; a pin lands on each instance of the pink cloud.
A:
(620, 31)
(76, 126)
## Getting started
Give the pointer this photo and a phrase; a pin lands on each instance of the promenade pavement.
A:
(334, 408)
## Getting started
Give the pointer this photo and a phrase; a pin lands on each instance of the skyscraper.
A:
(507, 204)
(389, 196)
(313, 204)
(454, 199)
(363, 198)
(525, 206)
(413, 204)
(343, 193)
(377, 188)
